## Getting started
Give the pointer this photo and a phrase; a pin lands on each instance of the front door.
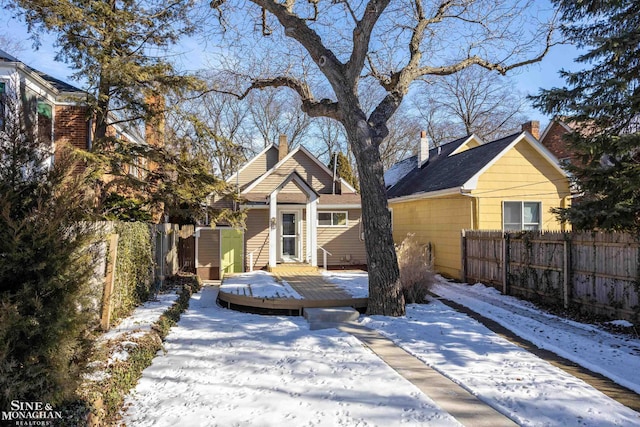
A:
(289, 236)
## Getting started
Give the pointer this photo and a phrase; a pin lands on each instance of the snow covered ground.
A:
(234, 369)
(142, 318)
(258, 284)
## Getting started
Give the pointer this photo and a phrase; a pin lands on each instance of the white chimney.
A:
(423, 151)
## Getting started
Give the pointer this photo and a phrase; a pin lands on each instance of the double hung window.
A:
(521, 215)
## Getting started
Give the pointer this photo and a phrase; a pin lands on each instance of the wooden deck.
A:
(309, 283)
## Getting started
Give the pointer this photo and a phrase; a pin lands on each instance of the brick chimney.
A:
(155, 126)
(423, 151)
(533, 127)
(283, 147)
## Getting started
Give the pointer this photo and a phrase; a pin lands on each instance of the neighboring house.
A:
(553, 139)
(61, 112)
(61, 115)
(296, 210)
(507, 184)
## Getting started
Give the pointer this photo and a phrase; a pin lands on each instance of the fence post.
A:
(109, 282)
(505, 263)
(463, 250)
(565, 273)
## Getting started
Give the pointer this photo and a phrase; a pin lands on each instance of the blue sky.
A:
(528, 80)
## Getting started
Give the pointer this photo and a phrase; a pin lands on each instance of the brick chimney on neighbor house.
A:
(533, 127)
(283, 147)
(423, 150)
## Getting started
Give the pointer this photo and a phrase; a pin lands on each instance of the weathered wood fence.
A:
(597, 273)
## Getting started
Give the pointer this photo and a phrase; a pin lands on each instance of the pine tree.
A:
(117, 48)
(344, 169)
(603, 103)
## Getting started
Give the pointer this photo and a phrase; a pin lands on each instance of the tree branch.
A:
(362, 37)
(310, 105)
(297, 28)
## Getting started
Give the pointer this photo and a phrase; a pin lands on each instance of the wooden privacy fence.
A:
(597, 273)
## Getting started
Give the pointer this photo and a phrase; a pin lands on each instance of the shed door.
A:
(231, 243)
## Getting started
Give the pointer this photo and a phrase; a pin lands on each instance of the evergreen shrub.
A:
(46, 317)
(134, 268)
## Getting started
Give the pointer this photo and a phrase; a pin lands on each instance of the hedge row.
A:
(102, 401)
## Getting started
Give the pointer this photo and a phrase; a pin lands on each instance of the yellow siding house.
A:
(508, 184)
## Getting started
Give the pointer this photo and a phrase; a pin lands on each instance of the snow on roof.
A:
(399, 170)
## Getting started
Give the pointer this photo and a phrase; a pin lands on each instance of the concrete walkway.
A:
(462, 405)
(458, 402)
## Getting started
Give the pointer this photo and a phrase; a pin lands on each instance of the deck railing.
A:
(324, 256)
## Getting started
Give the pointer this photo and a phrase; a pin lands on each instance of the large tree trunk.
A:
(385, 294)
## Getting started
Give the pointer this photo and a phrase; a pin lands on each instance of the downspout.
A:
(90, 135)
(335, 167)
(237, 187)
(474, 211)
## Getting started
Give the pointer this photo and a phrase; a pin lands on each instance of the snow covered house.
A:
(298, 211)
(507, 184)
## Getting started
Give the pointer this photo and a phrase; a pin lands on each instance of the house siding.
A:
(256, 238)
(464, 147)
(258, 167)
(208, 264)
(522, 174)
(308, 169)
(343, 242)
(438, 221)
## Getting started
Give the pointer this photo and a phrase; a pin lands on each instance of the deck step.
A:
(333, 317)
(293, 268)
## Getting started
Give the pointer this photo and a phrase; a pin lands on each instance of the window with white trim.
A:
(521, 215)
(44, 113)
(333, 219)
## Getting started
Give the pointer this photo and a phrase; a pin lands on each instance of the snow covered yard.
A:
(227, 368)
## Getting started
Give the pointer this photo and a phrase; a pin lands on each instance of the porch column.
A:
(273, 233)
(309, 232)
(312, 227)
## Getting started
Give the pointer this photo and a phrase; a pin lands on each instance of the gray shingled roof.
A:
(443, 171)
(56, 83)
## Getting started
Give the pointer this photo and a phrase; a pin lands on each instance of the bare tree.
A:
(403, 138)
(10, 45)
(473, 100)
(331, 138)
(213, 125)
(395, 43)
(276, 113)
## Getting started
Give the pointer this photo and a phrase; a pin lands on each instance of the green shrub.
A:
(416, 276)
(134, 268)
(104, 399)
(45, 313)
